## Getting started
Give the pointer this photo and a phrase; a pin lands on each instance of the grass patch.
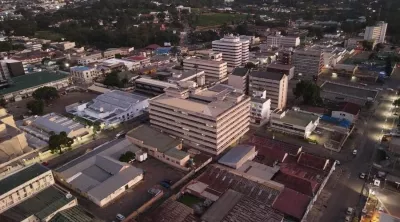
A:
(189, 200)
(211, 19)
(53, 36)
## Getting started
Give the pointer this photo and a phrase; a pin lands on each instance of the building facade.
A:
(19, 186)
(10, 68)
(308, 63)
(294, 122)
(235, 51)
(215, 71)
(239, 79)
(275, 85)
(210, 120)
(260, 111)
(283, 41)
(281, 68)
(84, 74)
(376, 32)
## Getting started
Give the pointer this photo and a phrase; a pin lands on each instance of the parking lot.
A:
(155, 172)
(19, 108)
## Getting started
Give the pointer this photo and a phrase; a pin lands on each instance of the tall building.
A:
(214, 70)
(283, 41)
(308, 63)
(10, 68)
(235, 51)
(84, 74)
(239, 79)
(274, 85)
(285, 57)
(209, 120)
(376, 32)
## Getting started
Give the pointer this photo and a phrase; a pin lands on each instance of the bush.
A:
(126, 157)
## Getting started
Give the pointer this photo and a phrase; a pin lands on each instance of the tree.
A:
(367, 45)
(112, 80)
(126, 157)
(309, 91)
(36, 107)
(46, 94)
(250, 65)
(57, 142)
(396, 103)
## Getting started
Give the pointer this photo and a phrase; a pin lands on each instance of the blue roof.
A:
(163, 50)
(340, 122)
(235, 154)
(80, 68)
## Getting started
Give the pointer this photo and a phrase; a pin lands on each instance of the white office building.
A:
(84, 74)
(283, 41)
(260, 111)
(308, 62)
(214, 70)
(294, 122)
(235, 51)
(376, 32)
(110, 108)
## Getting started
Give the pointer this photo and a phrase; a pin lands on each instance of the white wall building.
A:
(214, 70)
(235, 51)
(260, 111)
(376, 32)
(129, 64)
(283, 41)
(111, 108)
(294, 122)
(94, 57)
(84, 74)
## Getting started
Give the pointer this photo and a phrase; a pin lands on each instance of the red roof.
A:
(261, 142)
(295, 183)
(136, 58)
(292, 203)
(309, 160)
(351, 108)
(153, 46)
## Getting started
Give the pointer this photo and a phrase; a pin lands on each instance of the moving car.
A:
(120, 217)
(362, 175)
(354, 152)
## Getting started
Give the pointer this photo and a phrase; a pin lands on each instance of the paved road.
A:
(346, 188)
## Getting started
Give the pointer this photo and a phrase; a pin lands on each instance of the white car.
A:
(120, 217)
(354, 152)
(362, 175)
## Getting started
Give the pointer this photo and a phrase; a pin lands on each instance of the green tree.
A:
(112, 80)
(59, 141)
(309, 91)
(3, 102)
(126, 157)
(46, 94)
(36, 107)
(396, 103)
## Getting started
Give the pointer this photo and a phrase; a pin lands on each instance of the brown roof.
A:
(260, 142)
(295, 183)
(349, 108)
(309, 160)
(153, 46)
(292, 203)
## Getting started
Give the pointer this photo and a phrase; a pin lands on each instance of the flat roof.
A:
(32, 80)
(177, 154)
(20, 177)
(349, 90)
(235, 154)
(154, 138)
(240, 71)
(267, 75)
(155, 82)
(279, 66)
(222, 206)
(298, 118)
(74, 214)
(42, 205)
(80, 68)
(292, 203)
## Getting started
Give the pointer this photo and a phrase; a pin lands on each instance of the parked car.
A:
(154, 191)
(337, 162)
(120, 217)
(354, 152)
(165, 184)
(362, 175)
(120, 134)
(349, 211)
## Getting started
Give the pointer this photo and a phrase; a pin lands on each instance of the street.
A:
(346, 186)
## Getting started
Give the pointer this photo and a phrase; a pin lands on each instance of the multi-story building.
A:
(21, 185)
(63, 45)
(84, 74)
(294, 122)
(283, 41)
(281, 68)
(308, 63)
(285, 57)
(93, 57)
(214, 70)
(110, 53)
(210, 120)
(239, 79)
(376, 32)
(275, 85)
(260, 111)
(235, 51)
(10, 68)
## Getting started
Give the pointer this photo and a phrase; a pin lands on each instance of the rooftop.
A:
(210, 102)
(183, 75)
(207, 61)
(292, 203)
(80, 68)
(32, 80)
(154, 138)
(235, 154)
(116, 99)
(234, 206)
(267, 75)
(348, 90)
(348, 107)
(42, 205)
(279, 66)
(74, 214)
(56, 123)
(240, 71)
(169, 211)
(20, 177)
(298, 118)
